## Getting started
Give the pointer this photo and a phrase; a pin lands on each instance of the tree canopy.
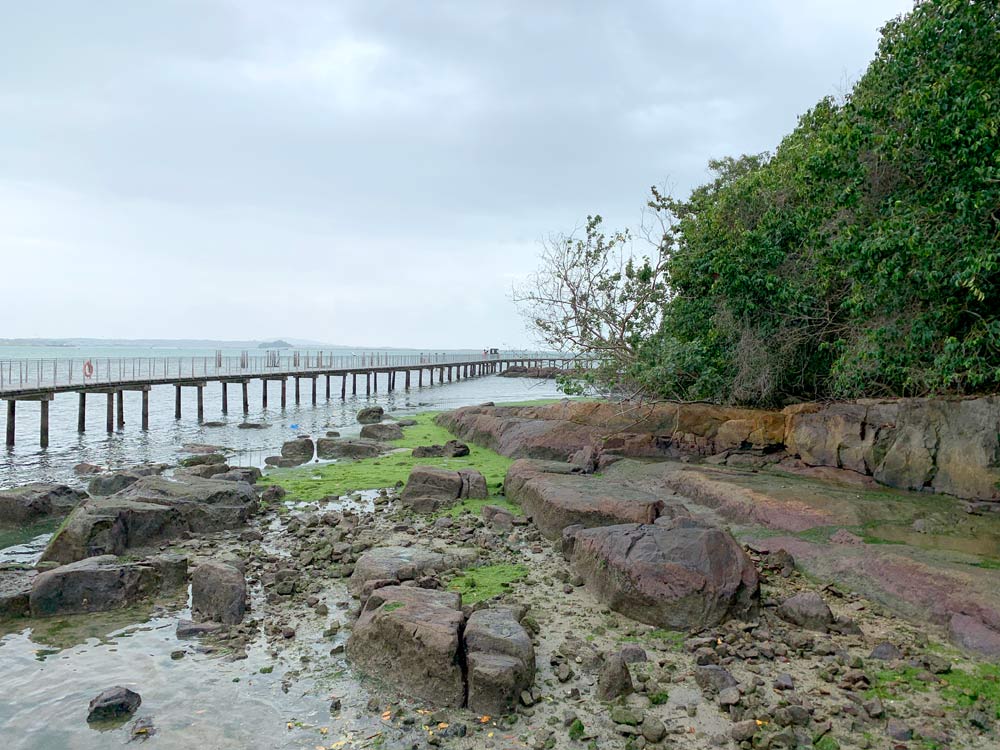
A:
(862, 257)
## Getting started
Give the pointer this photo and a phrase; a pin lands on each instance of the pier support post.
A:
(284, 392)
(314, 389)
(43, 423)
(225, 397)
(81, 415)
(407, 383)
(327, 387)
(111, 409)
(343, 387)
(177, 402)
(145, 408)
(246, 397)
(201, 404)
(354, 384)
(296, 392)
(430, 371)
(11, 418)
(449, 374)
(263, 387)
(368, 384)
(120, 398)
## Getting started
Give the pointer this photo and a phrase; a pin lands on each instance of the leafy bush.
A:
(862, 258)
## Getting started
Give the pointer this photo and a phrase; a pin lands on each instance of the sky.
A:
(366, 173)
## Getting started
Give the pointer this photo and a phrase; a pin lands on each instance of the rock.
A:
(498, 518)
(653, 729)
(886, 651)
(633, 653)
(614, 680)
(784, 682)
(625, 715)
(501, 661)
(248, 474)
(404, 564)
(109, 484)
(451, 449)
(807, 610)
(218, 593)
(897, 730)
(300, 450)
(688, 576)
(382, 431)
(96, 584)
(190, 629)
(411, 638)
(843, 536)
(729, 697)
(15, 592)
(713, 679)
(370, 415)
(113, 703)
(331, 448)
(203, 471)
(743, 731)
(37, 500)
(149, 511)
(280, 462)
(202, 458)
(85, 469)
(251, 426)
(558, 495)
(429, 488)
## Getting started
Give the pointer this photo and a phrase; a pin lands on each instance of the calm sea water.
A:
(164, 440)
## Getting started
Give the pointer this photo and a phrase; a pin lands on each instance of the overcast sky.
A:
(372, 173)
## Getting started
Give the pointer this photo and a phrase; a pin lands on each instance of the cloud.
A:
(371, 172)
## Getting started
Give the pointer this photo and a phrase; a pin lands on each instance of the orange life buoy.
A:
(88, 369)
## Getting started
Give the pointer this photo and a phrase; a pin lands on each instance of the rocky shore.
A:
(680, 580)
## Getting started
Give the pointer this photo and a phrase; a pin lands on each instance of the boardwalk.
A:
(41, 379)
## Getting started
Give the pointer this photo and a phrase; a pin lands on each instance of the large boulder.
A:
(98, 584)
(371, 415)
(300, 450)
(808, 610)
(501, 661)
(218, 593)
(680, 575)
(330, 448)
(37, 500)
(396, 564)
(382, 431)
(151, 510)
(429, 488)
(411, 638)
(557, 495)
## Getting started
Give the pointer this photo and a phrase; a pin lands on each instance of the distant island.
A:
(279, 344)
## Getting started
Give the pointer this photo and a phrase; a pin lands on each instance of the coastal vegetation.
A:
(860, 258)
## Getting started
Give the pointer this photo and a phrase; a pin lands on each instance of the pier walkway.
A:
(39, 380)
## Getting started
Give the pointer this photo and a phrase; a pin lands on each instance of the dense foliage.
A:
(862, 258)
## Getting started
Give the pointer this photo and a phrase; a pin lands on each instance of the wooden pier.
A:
(40, 380)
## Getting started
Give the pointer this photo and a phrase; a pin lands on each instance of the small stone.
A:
(784, 682)
(624, 715)
(743, 731)
(897, 730)
(614, 679)
(886, 652)
(113, 703)
(653, 729)
(729, 696)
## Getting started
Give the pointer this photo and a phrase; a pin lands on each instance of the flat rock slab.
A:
(382, 431)
(411, 639)
(557, 500)
(331, 448)
(99, 584)
(37, 500)
(405, 564)
(680, 576)
(149, 511)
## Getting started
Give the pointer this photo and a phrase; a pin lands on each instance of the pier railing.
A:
(20, 374)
